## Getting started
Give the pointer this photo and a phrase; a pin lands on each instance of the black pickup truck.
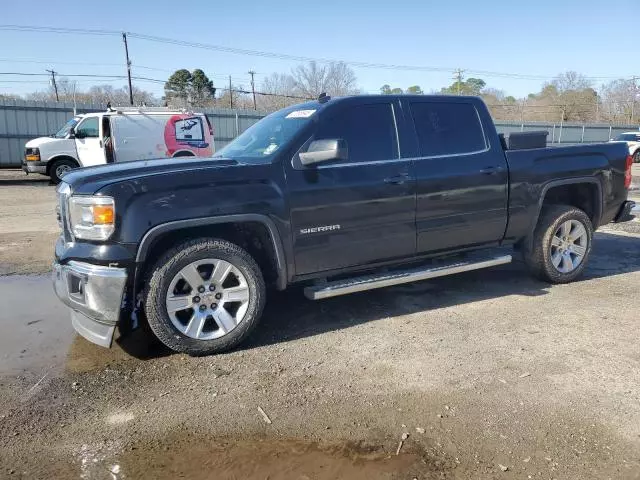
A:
(340, 195)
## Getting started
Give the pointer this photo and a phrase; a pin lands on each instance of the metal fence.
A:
(22, 120)
(568, 133)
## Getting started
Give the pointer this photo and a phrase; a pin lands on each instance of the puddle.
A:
(195, 457)
(36, 328)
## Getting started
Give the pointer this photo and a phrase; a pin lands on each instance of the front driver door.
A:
(359, 211)
(89, 142)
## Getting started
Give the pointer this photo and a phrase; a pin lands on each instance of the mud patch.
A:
(198, 457)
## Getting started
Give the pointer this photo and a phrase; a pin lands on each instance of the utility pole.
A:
(230, 93)
(458, 77)
(126, 52)
(53, 82)
(634, 93)
(253, 88)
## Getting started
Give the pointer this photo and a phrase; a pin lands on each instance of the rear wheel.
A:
(204, 296)
(636, 156)
(60, 168)
(561, 244)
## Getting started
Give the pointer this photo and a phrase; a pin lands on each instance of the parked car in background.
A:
(633, 141)
(119, 136)
(341, 195)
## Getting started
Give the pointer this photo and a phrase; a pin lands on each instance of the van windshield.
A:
(64, 131)
(264, 138)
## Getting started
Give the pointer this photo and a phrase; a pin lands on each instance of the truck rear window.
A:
(447, 128)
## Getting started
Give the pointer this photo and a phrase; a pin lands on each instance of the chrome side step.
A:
(369, 282)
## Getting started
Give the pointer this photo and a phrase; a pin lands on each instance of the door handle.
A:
(397, 179)
(491, 170)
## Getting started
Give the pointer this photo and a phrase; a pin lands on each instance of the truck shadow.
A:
(290, 316)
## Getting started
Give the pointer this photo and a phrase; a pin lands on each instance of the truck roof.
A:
(321, 104)
(137, 112)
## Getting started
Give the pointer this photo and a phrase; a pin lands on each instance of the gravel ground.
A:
(488, 374)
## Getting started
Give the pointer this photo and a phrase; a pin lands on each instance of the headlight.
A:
(32, 154)
(92, 218)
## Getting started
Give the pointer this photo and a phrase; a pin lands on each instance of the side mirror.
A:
(320, 151)
(72, 133)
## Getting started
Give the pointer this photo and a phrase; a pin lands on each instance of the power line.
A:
(280, 56)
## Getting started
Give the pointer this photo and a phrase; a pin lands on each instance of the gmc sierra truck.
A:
(340, 195)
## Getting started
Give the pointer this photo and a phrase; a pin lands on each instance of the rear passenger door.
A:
(461, 178)
(355, 212)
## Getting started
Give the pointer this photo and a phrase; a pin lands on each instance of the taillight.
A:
(627, 172)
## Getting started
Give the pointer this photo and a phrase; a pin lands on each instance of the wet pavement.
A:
(35, 325)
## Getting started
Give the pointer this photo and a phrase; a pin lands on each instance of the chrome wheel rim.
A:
(569, 246)
(207, 299)
(61, 170)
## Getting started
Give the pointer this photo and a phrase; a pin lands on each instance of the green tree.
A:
(202, 90)
(471, 86)
(177, 86)
(415, 90)
(189, 88)
(387, 90)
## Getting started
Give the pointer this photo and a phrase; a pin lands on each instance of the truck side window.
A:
(88, 128)
(369, 131)
(447, 128)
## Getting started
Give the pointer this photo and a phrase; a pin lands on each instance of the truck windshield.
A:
(263, 139)
(64, 131)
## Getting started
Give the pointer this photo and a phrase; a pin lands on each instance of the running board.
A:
(369, 282)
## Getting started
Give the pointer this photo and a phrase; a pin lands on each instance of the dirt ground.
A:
(28, 227)
(488, 374)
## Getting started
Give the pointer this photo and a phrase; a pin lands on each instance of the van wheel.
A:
(60, 168)
(204, 296)
(184, 154)
(561, 244)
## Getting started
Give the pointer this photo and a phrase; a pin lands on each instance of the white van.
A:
(119, 136)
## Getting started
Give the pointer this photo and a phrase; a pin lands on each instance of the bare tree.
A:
(620, 101)
(334, 79)
(97, 94)
(279, 87)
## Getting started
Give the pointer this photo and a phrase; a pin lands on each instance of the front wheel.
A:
(204, 296)
(60, 168)
(561, 244)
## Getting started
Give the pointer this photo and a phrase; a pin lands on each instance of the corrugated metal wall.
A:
(21, 121)
(568, 132)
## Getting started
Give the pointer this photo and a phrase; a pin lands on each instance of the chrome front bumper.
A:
(34, 167)
(94, 294)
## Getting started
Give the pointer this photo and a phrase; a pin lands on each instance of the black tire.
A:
(537, 251)
(636, 156)
(184, 154)
(56, 166)
(167, 267)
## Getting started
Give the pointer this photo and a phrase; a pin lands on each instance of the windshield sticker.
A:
(301, 114)
(270, 149)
